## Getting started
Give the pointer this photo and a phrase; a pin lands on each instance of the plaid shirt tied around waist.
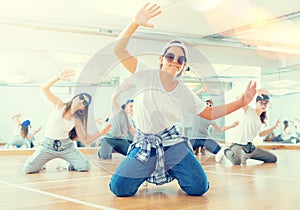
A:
(145, 142)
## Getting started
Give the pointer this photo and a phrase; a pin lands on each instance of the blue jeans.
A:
(110, 144)
(209, 144)
(180, 163)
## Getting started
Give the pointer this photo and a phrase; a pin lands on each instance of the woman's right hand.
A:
(66, 74)
(146, 13)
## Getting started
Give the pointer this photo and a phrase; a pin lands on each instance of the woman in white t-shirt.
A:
(250, 126)
(62, 119)
(159, 153)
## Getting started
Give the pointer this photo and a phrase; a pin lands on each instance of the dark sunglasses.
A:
(263, 103)
(84, 102)
(208, 104)
(180, 60)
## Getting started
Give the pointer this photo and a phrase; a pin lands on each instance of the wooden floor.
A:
(255, 186)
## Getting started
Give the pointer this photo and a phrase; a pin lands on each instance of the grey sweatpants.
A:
(46, 152)
(238, 154)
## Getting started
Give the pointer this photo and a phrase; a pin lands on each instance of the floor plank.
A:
(254, 186)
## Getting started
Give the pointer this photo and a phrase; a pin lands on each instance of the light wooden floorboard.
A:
(255, 186)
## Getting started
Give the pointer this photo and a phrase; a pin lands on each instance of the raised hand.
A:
(146, 13)
(277, 124)
(249, 93)
(235, 123)
(66, 74)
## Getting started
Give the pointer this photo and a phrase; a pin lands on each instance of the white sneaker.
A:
(219, 156)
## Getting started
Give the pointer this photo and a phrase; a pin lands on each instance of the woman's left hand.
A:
(146, 13)
(66, 74)
(249, 93)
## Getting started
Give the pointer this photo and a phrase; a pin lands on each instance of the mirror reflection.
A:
(31, 54)
(28, 109)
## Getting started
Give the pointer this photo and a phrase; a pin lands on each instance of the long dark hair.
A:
(263, 117)
(81, 114)
(24, 128)
(73, 134)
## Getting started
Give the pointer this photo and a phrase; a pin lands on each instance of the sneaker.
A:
(219, 156)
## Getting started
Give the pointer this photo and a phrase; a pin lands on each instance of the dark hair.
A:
(209, 101)
(81, 114)
(24, 128)
(263, 117)
(262, 97)
(127, 102)
(73, 134)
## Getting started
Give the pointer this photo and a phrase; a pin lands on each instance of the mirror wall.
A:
(37, 42)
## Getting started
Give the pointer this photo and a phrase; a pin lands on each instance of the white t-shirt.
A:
(154, 108)
(288, 133)
(57, 127)
(249, 127)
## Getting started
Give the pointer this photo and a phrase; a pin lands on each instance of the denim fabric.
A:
(180, 163)
(147, 141)
(209, 144)
(109, 144)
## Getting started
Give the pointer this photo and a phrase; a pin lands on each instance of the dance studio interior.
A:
(230, 43)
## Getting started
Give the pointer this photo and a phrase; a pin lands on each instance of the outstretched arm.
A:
(203, 89)
(123, 88)
(215, 112)
(63, 75)
(35, 132)
(141, 19)
(87, 138)
(221, 129)
(268, 131)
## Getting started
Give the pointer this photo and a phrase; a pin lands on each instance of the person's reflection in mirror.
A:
(117, 138)
(23, 134)
(250, 126)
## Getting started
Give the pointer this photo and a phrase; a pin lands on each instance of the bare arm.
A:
(268, 131)
(35, 132)
(202, 90)
(92, 137)
(116, 106)
(63, 75)
(215, 112)
(87, 138)
(141, 19)
(132, 130)
(221, 129)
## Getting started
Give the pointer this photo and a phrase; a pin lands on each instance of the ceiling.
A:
(241, 39)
